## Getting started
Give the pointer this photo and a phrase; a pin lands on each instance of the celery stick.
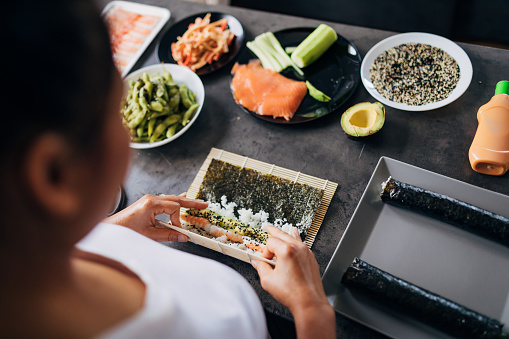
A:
(273, 40)
(314, 45)
(266, 58)
(290, 49)
(269, 48)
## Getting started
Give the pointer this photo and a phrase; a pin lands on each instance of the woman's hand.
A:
(295, 282)
(141, 216)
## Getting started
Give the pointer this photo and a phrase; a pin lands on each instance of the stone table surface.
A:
(436, 140)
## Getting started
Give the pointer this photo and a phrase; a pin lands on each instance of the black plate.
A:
(336, 73)
(170, 36)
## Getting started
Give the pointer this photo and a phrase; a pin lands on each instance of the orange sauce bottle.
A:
(489, 153)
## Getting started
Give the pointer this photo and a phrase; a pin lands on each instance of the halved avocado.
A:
(363, 119)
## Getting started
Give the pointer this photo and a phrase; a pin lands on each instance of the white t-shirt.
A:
(186, 296)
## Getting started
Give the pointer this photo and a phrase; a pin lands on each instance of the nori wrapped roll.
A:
(425, 306)
(458, 213)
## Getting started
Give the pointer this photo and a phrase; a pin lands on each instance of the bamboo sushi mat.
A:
(327, 186)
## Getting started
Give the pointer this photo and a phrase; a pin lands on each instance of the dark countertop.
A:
(436, 140)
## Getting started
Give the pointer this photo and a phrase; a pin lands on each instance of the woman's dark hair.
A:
(56, 72)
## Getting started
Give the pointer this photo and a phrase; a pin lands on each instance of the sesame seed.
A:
(415, 74)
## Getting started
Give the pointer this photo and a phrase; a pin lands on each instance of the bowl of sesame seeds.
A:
(416, 71)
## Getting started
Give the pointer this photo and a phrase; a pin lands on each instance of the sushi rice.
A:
(257, 220)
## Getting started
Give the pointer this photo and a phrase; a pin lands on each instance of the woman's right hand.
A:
(141, 215)
(295, 282)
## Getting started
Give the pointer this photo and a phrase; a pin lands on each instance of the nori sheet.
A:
(455, 212)
(281, 198)
(423, 305)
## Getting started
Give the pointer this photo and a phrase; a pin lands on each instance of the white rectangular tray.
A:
(446, 260)
(163, 13)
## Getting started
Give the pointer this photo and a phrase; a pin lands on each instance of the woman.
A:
(64, 155)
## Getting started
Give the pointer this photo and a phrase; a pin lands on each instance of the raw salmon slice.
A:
(266, 92)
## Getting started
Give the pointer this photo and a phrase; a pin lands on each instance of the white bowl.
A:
(181, 75)
(425, 38)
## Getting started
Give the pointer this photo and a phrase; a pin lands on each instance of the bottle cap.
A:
(502, 87)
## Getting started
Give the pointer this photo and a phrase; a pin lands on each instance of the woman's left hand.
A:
(141, 216)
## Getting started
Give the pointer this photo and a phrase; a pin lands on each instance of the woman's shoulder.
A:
(121, 243)
(186, 294)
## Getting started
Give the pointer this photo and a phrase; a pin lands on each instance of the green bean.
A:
(162, 126)
(189, 114)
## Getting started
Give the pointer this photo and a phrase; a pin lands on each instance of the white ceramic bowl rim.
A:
(447, 45)
(181, 75)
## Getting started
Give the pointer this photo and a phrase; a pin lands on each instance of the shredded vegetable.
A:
(203, 43)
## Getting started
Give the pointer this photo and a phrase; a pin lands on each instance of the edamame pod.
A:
(148, 87)
(156, 106)
(189, 114)
(140, 139)
(174, 101)
(141, 128)
(167, 76)
(172, 130)
(172, 89)
(151, 125)
(184, 96)
(162, 126)
(137, 120)
(143, 102)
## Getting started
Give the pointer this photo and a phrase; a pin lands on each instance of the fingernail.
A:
(182, 238)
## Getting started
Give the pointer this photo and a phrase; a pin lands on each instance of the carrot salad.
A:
(203, 43)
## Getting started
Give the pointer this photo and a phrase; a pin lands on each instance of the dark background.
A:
(474, 21)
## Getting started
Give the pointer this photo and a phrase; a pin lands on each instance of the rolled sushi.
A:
(455, 212)
(423, 305)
